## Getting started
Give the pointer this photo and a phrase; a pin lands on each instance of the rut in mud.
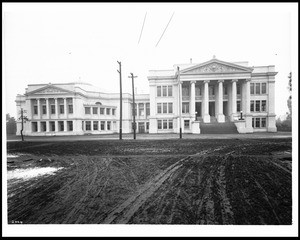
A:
(232, 182)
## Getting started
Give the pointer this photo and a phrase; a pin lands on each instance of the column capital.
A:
(193, 82)
(180, 82)
(248, 79)
(234, 80)
(221, 80)
(206, 81)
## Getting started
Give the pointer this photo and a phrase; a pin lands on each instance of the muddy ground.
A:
(179, 181)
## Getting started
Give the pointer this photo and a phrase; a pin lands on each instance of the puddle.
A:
(26, 174)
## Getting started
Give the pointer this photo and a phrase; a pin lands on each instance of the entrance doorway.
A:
(141, 127)
(225, 108)
(198, 109)
(211, 109)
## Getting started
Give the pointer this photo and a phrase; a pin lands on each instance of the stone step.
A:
(218, 128)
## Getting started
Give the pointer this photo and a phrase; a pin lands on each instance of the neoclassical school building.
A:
(210, 97)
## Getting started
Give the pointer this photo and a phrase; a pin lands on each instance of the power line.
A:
(165, 29)
(142, 28)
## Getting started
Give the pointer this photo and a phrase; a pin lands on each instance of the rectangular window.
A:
(70, 125)
(34, 126)
(263, 105)
(257, 122)
(147, 109)
(43, 126)
(185, 107)
(159, 91)
(170, 107)
(264, 88)
(252, 88)
(108, 125)
(225, 90)
(113, 112)
(198, 91)
(87, 110)
(95, 125)
(185, 92)
(102, 111)
(107, 111)
(35, 110)
(159, 124)
(61, 109)
(44, 109)
(170, 91)
(257, 88)
(95, 110)
(165, 108)
(52, 126)
(159, 108)
(186, 124)
(165, 124)
(211, 90)
(52, 109)
(88, 125)
(70, 109)
(238, 106)
(141, 109)
(102, 125)
(253, 122)
(252, 106)
(60, 125)
(257, 106)
(164, 91)
(238, 88)
(171, 124)
(263, 122)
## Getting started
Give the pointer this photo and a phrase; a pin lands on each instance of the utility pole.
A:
(134, 126)
(120, 132)
(179, 88)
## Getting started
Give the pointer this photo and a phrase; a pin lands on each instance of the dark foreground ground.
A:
(174, 181)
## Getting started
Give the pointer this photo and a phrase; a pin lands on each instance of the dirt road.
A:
(155, 182)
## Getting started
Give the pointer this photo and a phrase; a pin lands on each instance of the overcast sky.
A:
(58, 43)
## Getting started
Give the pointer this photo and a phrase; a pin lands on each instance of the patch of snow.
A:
(26, 174)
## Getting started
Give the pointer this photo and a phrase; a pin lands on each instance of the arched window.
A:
(98, 103)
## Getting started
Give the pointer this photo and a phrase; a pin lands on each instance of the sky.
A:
(69, 42)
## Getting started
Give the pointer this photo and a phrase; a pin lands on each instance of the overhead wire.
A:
(142, 28)
(165, 29)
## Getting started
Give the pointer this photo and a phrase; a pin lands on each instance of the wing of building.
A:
(210, 97)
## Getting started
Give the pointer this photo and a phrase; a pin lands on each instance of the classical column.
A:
(39, 126)
(233, 99)
(193, 101)
(271, 120)
(56, 109)
(65, 107)
(247, 115)
(65, 125)
(220, 116)
(56, 126)
(47, 126)
(39, 108)
(47, 109)
(205, 105)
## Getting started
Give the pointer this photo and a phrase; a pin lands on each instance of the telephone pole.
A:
(134, 126)
(120, 132)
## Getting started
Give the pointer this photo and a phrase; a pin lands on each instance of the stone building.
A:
(211, 97)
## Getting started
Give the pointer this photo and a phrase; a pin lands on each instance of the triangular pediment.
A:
(49, 89)
(216, 66)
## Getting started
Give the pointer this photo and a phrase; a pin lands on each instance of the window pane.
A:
(263, 105)
(198, 91)
(95, 125)
(238, 106)
(95, 110)
(165, 122)
(164, 91)
(170, 107)
(257, 88)
(252, 106)
(159, 91)
(264, 88)
(251, 88)
(147, 109)
(253, 122)
(263, 122)
(238, 88)
(257, 122)
(165, 108)
(159, 126)
(108, 125)
(87, 110)
(107, 111)
(102, 125)
(186, 124)
(257, 106)
(61, 109)
(159, 108)
(170, 124)
(170, 91)
(70, 108)
(101, 110)
(185, 91)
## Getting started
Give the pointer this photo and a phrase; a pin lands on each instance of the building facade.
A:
(186, 98)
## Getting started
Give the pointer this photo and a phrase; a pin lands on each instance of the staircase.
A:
(215, 127)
